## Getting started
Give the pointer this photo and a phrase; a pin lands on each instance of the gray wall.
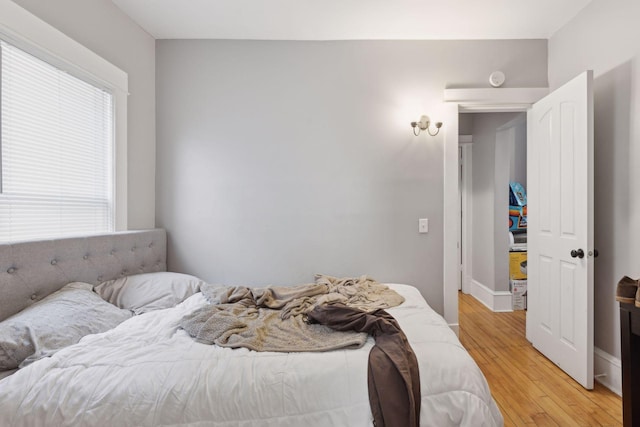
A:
(278, 160)
(518, 152)
(465, 124)
(102, 27)
(491, 168)
(604, 37)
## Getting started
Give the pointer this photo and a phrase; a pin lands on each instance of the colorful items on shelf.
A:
(517, 207)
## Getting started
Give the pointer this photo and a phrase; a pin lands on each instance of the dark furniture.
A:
(630, 346)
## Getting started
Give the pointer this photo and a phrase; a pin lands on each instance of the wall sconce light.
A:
(423, 124)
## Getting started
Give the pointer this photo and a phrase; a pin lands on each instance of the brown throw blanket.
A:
(393, 376)
(274, 318)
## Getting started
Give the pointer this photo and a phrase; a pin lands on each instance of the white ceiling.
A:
(351, 19)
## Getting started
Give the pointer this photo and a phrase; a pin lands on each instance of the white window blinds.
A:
(56, 151)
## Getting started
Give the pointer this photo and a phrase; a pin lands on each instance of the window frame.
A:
(31, 34)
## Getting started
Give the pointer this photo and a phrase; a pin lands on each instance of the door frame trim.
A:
(519, 100)
(466, 211)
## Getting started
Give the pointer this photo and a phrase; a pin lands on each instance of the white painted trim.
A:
(120, 160)
(451, 202)
(497, 301)
(466, 281)
(607, 370)
(31, 33)
(465, 139)
(22, 26)
(455, 328)
(461, 204)
(495, 100)
(466, 240)
(512, 108)
(451, 218)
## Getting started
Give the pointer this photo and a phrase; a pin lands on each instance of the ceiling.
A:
(351, 19)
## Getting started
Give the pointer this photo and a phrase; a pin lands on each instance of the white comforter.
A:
(147, 372)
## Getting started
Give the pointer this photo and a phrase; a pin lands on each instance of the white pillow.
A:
(142, 293)
(59, 320)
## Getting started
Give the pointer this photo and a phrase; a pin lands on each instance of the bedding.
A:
(274, 318)
(148, 372)
(57, 321)
(4, 374)
(142, 293)
(242, 323)
(393, 377)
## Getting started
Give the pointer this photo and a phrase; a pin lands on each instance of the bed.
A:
(146, 371)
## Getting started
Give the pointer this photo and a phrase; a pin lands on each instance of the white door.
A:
(560, 227)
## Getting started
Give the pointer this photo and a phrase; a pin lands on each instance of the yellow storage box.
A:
(517, 265)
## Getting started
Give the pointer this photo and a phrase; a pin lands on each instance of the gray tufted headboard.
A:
(29, 271)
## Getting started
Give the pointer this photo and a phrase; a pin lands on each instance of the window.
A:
(56, 151)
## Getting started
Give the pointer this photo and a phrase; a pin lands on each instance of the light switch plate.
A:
(423, 225)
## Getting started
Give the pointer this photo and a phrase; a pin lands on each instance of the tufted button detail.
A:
(11, 270)
(54, 262)
(113, 251)
(85, 257)
(99, 278)
(124, 272)
(34, 297)
(151, 244)
(133, 249)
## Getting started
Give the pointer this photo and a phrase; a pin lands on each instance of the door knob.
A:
(577, 253)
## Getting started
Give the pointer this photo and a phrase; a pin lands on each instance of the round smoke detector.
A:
(496, 79)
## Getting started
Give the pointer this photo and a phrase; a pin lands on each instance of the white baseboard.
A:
(607, 370)
(466, 284)
(498, 301)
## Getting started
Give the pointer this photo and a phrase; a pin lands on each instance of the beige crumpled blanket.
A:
(274, 318)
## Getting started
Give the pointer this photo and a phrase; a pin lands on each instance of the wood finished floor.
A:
(528, 388)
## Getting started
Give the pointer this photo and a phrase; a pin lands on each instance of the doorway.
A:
(457, 101)
(560, 161)
(493, 156)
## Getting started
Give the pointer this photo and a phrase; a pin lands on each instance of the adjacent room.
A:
(230, 213)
